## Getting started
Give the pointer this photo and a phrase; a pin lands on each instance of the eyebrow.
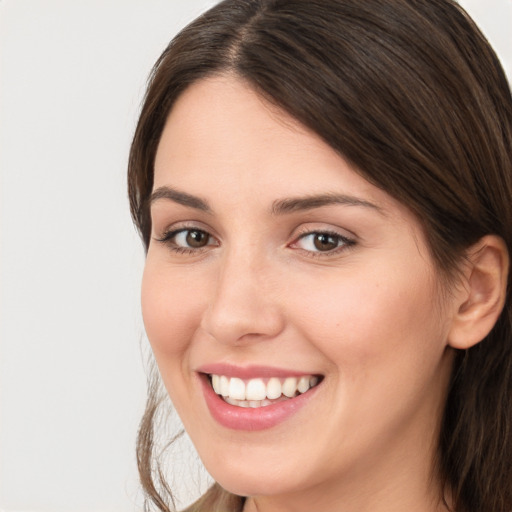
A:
(279, 207)
(291, 205)
(181, 198)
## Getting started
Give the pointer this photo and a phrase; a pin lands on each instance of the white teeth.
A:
(246, 403)
(255, 390)
(290, 387)
(255, 393)
(274, 388)
(224, 385)
(216, 384)
(303, 384)
(237, 389)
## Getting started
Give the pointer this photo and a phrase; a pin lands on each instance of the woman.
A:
(323, 190)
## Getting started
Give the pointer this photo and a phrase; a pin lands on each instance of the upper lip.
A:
(250, 372)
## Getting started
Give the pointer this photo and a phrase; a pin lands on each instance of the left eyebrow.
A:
(294, 204)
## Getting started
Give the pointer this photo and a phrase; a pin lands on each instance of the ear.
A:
(481, 296)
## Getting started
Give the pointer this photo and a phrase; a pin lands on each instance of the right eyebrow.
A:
(179, 197)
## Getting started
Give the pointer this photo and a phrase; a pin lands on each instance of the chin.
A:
(251, 480)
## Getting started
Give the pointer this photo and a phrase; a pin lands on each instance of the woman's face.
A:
(273, 265)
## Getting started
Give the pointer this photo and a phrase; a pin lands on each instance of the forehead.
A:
(226, 121)
(222, 138)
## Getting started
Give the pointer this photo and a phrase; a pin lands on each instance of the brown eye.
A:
(196, 239)
(188, 240)
(325, 242)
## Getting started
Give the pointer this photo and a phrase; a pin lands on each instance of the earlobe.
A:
(482, 295)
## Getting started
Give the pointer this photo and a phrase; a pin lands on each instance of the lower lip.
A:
(247, 418)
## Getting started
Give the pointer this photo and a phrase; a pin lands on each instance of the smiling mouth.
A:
(261, 392)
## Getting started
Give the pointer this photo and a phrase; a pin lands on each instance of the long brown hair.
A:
(411, 93)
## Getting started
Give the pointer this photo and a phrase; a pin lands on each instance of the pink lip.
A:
(251, 419)
(249, 372)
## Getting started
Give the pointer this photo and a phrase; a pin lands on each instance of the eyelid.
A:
(347, 240)
(168, 235)
(175, 227)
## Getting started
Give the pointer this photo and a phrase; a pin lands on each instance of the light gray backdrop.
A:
(72, 382)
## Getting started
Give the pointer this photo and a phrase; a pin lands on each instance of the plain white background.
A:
(72, 380)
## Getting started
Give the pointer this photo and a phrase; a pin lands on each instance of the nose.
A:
(244, 304)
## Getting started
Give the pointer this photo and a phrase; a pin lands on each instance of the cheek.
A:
(171, 309)
(385, 346)
(361, 321)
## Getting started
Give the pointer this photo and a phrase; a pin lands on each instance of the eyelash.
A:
(169, 236)
(344, 242)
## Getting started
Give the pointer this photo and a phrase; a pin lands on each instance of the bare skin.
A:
(246, 271)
